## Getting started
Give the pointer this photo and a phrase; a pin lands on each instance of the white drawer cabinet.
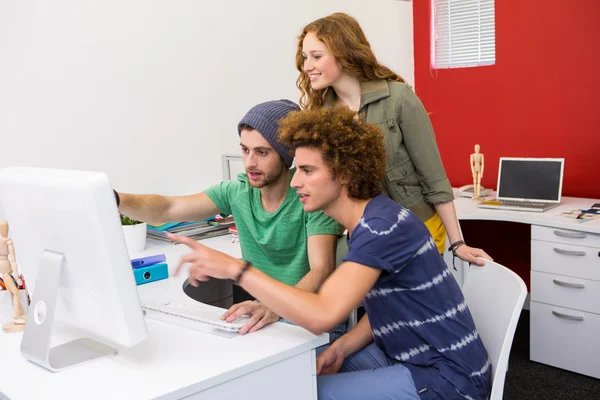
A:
(565, 338)
(565, 299)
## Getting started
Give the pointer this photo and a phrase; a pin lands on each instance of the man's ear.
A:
(344, 180)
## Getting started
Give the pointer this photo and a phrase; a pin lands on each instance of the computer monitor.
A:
(70, 248)
(232, 166)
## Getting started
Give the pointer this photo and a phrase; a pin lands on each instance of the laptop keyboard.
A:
(524, 203)
(519, 206)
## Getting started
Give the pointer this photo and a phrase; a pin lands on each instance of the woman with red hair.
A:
(337, 66)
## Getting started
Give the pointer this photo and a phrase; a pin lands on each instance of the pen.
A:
(2, 284)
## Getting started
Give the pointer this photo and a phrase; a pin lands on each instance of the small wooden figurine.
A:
(476, 161)
(8, 265)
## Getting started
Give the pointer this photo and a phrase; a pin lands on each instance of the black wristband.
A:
(117, 198)
(455, 246)
(247, 265)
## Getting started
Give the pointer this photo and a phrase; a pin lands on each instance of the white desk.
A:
(565, 282)
(174, 362)
(468, 210)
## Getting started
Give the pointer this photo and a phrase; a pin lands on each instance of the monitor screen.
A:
(530, 179)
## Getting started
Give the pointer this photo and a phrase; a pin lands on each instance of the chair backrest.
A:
(495, 296)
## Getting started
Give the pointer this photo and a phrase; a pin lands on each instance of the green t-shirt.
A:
(275, 243)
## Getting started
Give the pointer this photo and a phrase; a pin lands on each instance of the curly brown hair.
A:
(351, 148)
(347, 42)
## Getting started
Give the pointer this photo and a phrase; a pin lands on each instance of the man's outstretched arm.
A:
(157, 209)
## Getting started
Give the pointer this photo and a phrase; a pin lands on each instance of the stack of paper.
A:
(213, 226)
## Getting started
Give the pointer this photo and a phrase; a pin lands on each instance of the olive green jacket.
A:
(414, 175)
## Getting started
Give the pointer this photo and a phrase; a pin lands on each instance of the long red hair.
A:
(347, 42)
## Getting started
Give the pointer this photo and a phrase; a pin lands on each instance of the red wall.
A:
(540, 99)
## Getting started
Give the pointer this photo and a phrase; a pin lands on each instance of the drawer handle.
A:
(569, 285)
(570, 252)
(573, 235)
(566, 316)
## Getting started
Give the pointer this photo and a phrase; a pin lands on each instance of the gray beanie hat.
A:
(265, 118)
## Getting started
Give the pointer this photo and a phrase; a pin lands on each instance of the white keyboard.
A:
(190, 316)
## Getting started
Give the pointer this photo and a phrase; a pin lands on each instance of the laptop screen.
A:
(534, 179)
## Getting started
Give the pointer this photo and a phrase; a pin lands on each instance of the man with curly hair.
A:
(417, 339)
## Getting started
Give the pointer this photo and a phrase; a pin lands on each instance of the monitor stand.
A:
(35, 345)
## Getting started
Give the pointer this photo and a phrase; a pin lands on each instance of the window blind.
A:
(464, 33)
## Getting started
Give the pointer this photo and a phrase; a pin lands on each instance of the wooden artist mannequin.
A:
(476, 161)
(8, 265)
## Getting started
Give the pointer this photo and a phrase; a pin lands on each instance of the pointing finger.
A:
(191, 243)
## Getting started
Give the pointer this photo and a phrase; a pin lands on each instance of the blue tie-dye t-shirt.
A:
(417, 312)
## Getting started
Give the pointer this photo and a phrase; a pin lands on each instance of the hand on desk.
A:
(470, 254)
(260, 315)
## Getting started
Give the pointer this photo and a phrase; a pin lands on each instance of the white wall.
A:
(150, 91)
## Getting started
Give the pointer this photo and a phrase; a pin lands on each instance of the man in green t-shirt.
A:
(276, 234)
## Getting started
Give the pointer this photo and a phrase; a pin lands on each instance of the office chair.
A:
(495, 296)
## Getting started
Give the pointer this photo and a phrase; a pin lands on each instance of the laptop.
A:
(528, 184)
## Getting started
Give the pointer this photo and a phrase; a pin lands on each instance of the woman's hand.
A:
(470, 254)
